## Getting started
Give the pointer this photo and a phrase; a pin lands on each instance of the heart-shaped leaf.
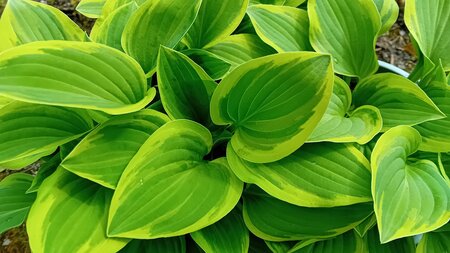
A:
(348, 30)
(76, 208)
(168, 190)
(215, 21)
(74, 74)
(42, 22)
(410, 197)
(338, 124)
(431, 34)
(316, 175)
(274, 220)
(15, 202)
(184, 87)
(143, 33)
(93, 157)
(401, 102)
(28, 130)
(274, 102)
(282, 27)
(227, 235)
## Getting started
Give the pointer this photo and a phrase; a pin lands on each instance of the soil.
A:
(393, 47)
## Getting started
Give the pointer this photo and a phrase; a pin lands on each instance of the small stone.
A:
(6, 242)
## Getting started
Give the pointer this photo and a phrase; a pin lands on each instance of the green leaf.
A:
(27, 129)
(94, 159)
(445, 228)
(400, 245)
(434, 243)
(257, 99)
(91, 8)
(431, 34)
(366, 225)
(143, 33)
(316, 175)
(280, 247)
(272, 2)
(5, 101)
(434, 78)
(42, 22)
(163, 245)
(245, 27)
(240, 48)
(339, 124)
(282, 27)
(444, 165)
(108, 29)
(294, 3)
(215, 22)
(423, 67)
(156, 196)
(74, 74)
(15, 203)
(274, 220)
(435, 133)
(213, 65)
(64, 150)
(192, 247)
(227, 235)
(257, 245)
(20, 162)
(302, 244)
(76, 208)
(388, 10)
(349, 242)
(112, 5)
(45, 170)
(184, 87)
(401, 102)
(410, 197)
(99, 116)
(347, 30)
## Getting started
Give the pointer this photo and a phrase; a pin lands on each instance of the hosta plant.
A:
(225, 126)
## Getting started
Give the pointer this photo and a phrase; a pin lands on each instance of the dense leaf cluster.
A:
(225, 126)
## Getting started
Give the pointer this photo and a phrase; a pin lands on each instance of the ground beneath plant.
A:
(393, 47)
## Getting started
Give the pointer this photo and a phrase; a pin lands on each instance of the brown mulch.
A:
(395, 47)
(15, 241)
